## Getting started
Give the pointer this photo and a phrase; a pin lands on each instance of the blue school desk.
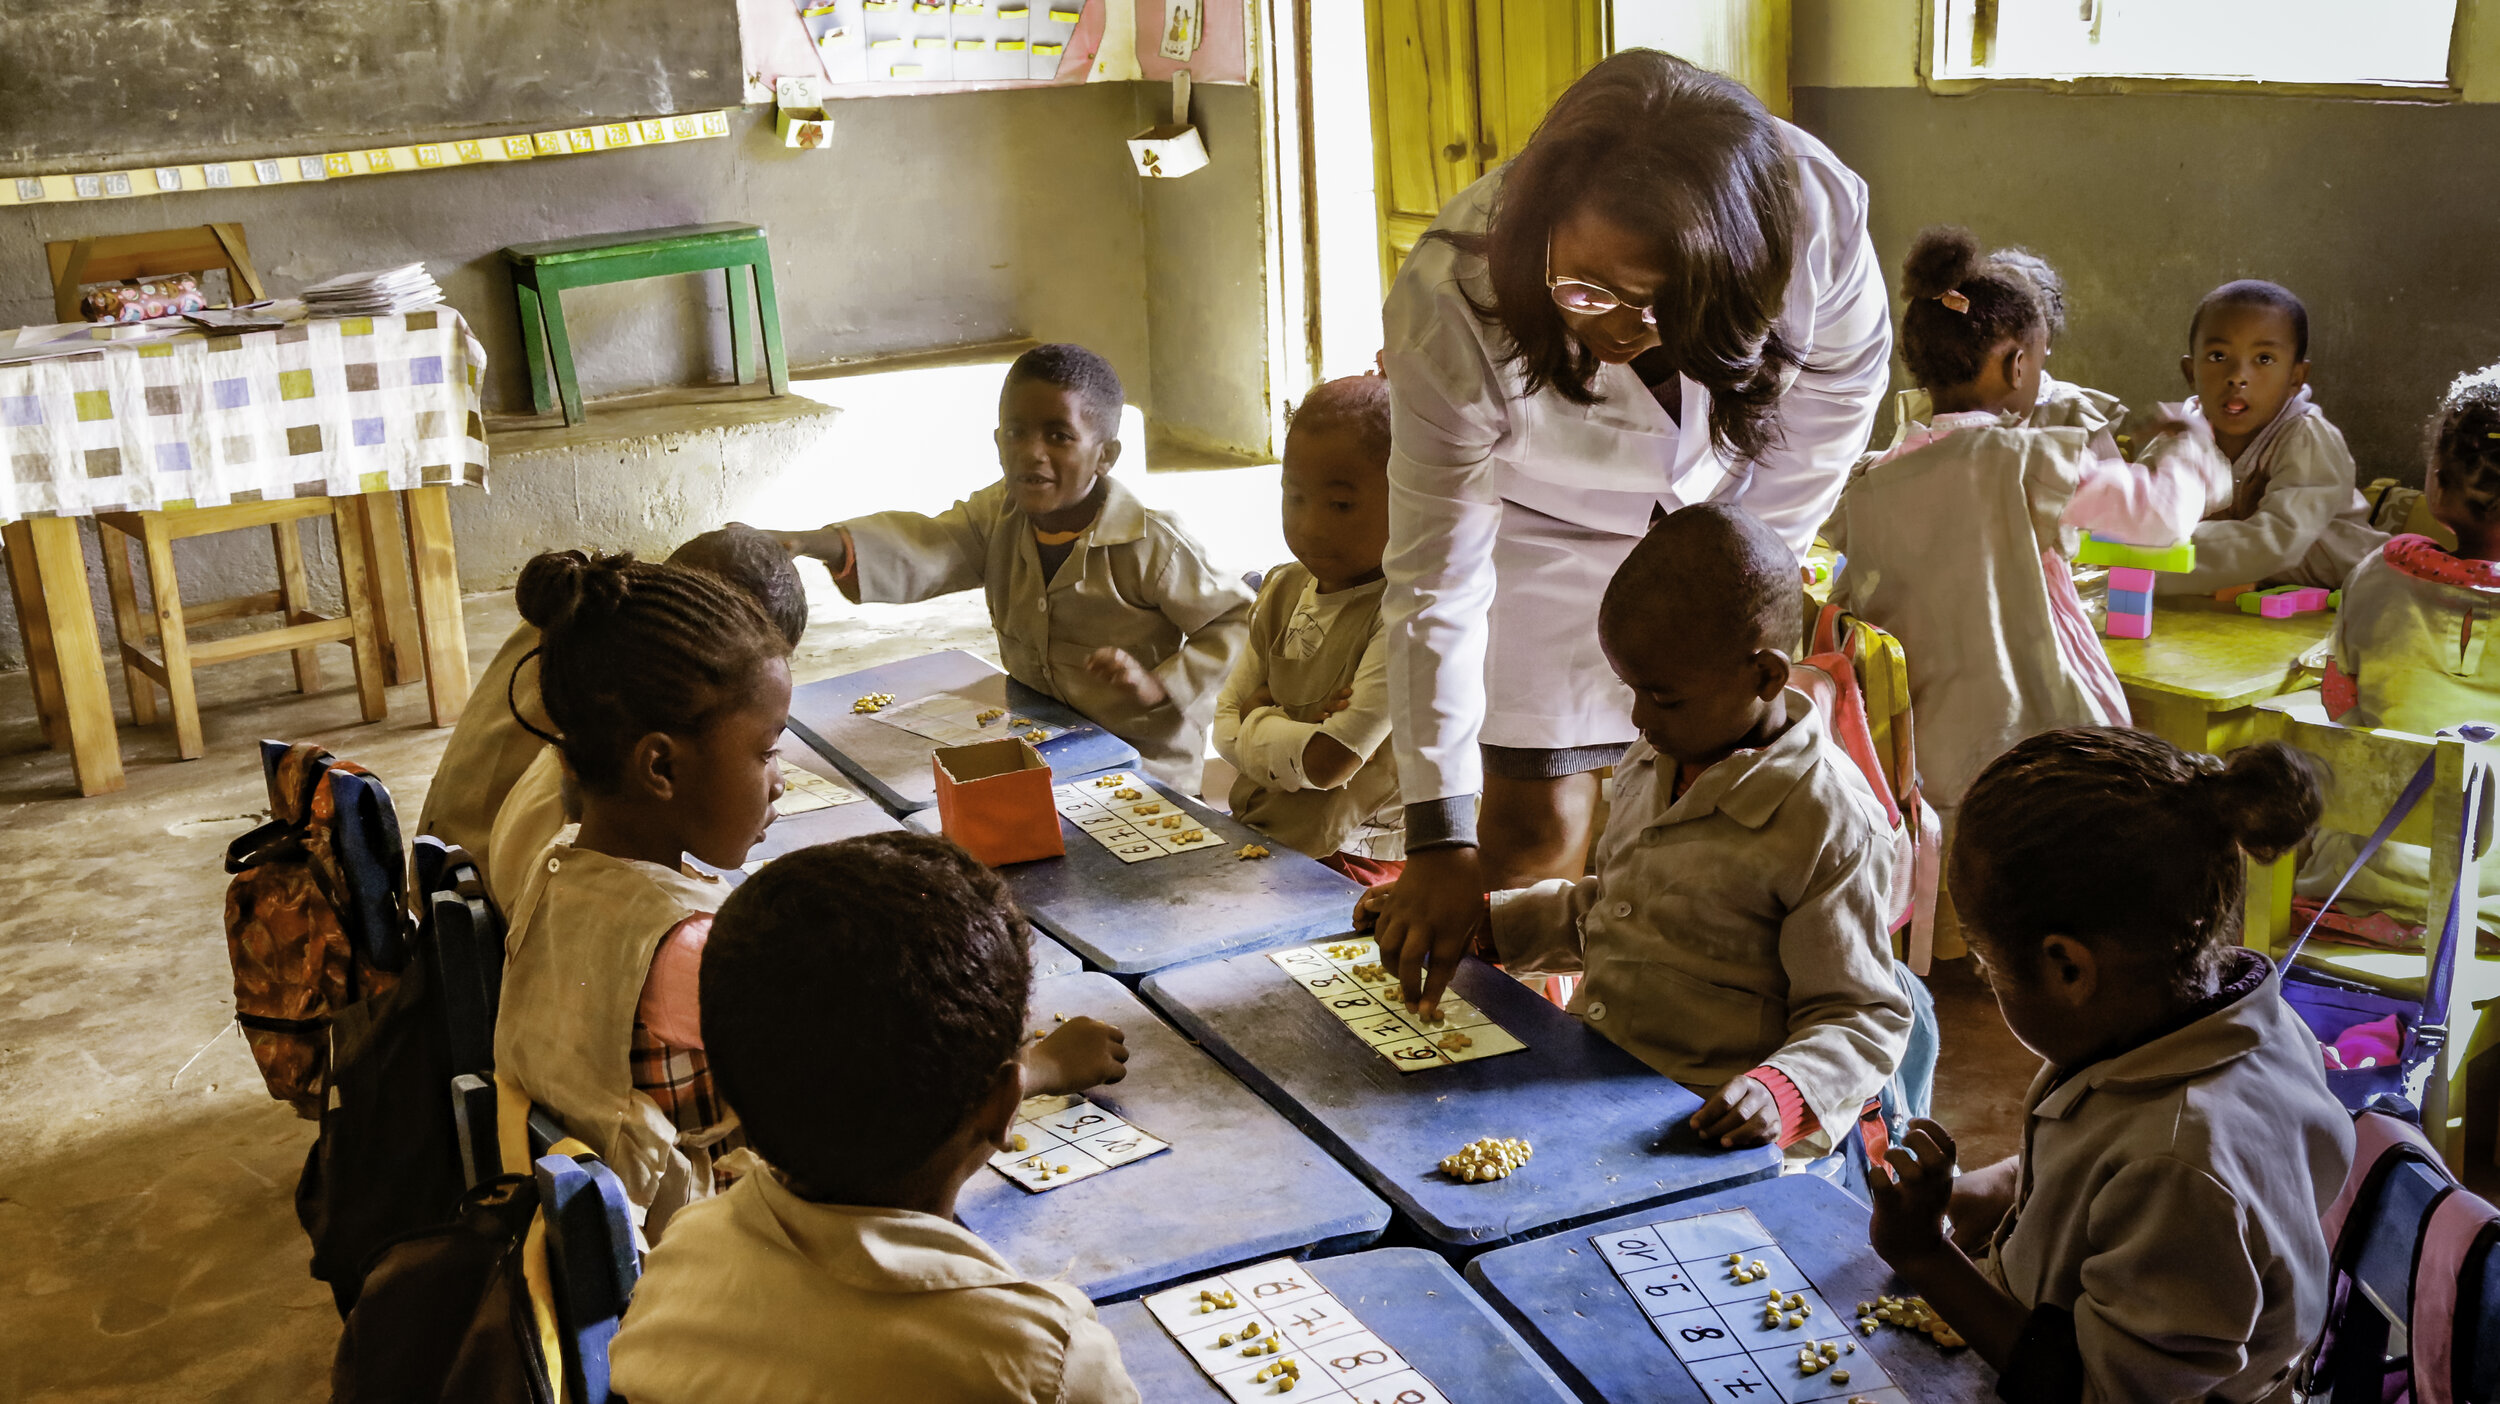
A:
(1405, 1296)
(1607, 1133)
(1239, 1183)
(1050, 958)
(891, 765)
(1563, 1297)
(1130, 918)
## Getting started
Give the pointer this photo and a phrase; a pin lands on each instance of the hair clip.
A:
(1952, 298)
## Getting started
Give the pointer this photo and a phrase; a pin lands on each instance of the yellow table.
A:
(2193, 682)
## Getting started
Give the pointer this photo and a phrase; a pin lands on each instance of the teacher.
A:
(1668, 297)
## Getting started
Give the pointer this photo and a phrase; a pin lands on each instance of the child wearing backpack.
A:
(668, 689)
(2158, 1237)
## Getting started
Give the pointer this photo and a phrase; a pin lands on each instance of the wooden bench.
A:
(541, 273)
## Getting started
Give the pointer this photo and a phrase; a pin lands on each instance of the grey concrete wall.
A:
(2379, 214)
(1206, 278)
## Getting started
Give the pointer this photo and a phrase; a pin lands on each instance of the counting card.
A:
(1133, 819)
(1347, 980)
(1061, 1140)
(1739, 1314)
(803, 791)
(1269, 1330)
(951, 719)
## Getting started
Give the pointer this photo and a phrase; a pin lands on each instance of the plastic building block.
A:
(2133, 578)
(2130, 601)
(2128, 626)
(2094, 551)
(2335, 599)
(2229, 593)
(2285, 601)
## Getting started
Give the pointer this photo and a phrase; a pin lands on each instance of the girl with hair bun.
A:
(1959, 538)
(2055, 403)
(668, 687)
(2407, 652)
(2158, 1237)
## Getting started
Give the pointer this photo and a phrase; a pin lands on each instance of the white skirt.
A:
(1547, 683)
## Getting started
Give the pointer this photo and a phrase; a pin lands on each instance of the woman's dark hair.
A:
(755, 563)
(628, 648)
(2122, 840)
(1660, 147)
(1962, 306)
(2465, 446)
(887, 974)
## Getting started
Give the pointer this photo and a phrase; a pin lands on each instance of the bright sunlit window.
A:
(2392, 43)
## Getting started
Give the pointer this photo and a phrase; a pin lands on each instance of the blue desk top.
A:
(1238, 1185)
(1130, 918)
(1050, 958)
(791, 832)
(1405, 1296)
(891, 765)
(1562, 1296)
(1607, 1133)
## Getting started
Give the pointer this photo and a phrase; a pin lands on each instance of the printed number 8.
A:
(1704, 1333)
(1344, 1363)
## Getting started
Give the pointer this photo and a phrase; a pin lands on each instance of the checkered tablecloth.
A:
(319, 408)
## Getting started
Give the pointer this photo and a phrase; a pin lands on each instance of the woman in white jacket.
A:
(1668, 297)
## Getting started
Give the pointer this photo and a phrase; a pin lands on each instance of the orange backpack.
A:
(1859, 677)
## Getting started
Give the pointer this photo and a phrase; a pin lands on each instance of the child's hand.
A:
(1259, 697)
(1743, 1113)
(1116, 667)
(1910, 1203)
(1080, 1053)
(1367, 907)
(1336, 704)
(831, 545)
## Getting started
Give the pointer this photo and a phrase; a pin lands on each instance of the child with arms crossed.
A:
(1734, 935)
(868, 997)
(2158, 1237)
(669, 690)
(1305, 716)
(1098, 600)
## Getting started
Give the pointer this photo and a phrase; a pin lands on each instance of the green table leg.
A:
(533, 338)
(560, 349)
(776, 362)
(741, 324)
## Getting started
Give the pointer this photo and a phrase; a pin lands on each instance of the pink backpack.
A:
(1859, 680)
(2437, 1262)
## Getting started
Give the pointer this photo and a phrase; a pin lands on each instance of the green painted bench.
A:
(541, 273)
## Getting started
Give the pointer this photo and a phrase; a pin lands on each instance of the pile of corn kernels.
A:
(1910, 1314)
(1488, 1158)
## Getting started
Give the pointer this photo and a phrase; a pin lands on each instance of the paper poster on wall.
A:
(874, 48)
(1180, 29)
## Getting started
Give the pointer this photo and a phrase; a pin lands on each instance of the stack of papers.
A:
(383, 290)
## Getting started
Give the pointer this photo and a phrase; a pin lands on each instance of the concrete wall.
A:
(1206, 277)
(2145, 199)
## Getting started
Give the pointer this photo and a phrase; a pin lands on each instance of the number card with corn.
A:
(1347, 979)
(1744, 1320)
(1061, 1140)
(1131, 818)
(1262, 1331)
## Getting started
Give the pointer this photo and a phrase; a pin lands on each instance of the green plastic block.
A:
(2174, 559)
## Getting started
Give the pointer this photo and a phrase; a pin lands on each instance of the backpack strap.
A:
(2457, 1224)
(2379, 1140)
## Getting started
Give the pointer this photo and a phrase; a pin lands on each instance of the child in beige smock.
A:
(489, 748)
(533, 817)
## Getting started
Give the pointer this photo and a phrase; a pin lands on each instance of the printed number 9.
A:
(1665, 1289)
(1086, 1120)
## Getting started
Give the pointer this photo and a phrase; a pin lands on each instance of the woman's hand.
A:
(1080, 1053)
(1428, 919)
(832, 545)
(1119, 668)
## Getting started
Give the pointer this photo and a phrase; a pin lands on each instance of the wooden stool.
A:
(114, 258)
(541, 273)
(302, 632)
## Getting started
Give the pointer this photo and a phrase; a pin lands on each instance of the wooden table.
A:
(1131, 918)
(1407, 1297)
(1572, 1308)
(1239, 1184)
(2193, 682)
(892, 765)
(1608, 1133)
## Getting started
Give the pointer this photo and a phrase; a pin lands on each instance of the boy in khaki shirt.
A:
(1098, 600)
(1734, 935)
(863, 1003)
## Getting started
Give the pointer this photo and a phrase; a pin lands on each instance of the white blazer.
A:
(1546, 497)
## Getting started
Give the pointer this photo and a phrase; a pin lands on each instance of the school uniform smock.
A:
(1508, 513)
(1305, 648)
(580, 943)
(761, 1297)
(2165, 1231)
(1958, 541)
(1135, 580)
(2295, 515)
(489, 748)
(1737, 925)
(532, 819)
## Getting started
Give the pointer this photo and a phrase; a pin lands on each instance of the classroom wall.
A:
(2144, 199)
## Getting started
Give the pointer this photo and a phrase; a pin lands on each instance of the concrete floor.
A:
(148, 1248)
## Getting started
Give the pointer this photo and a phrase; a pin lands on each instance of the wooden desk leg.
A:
(741, 324)
(69, 615)
(129, 629)
(351, 531)
(438, 602)
(394, 609)
(294, 601)
(34, 628)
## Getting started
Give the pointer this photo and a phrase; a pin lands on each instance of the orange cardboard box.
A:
(993, 797)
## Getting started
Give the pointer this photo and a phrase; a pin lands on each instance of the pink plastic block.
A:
(2128, 626)
(2283, 604)
(2130, 578)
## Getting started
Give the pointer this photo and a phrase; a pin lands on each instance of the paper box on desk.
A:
(993, 797)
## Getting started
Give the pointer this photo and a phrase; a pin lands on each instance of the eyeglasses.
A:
(1587, 299)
